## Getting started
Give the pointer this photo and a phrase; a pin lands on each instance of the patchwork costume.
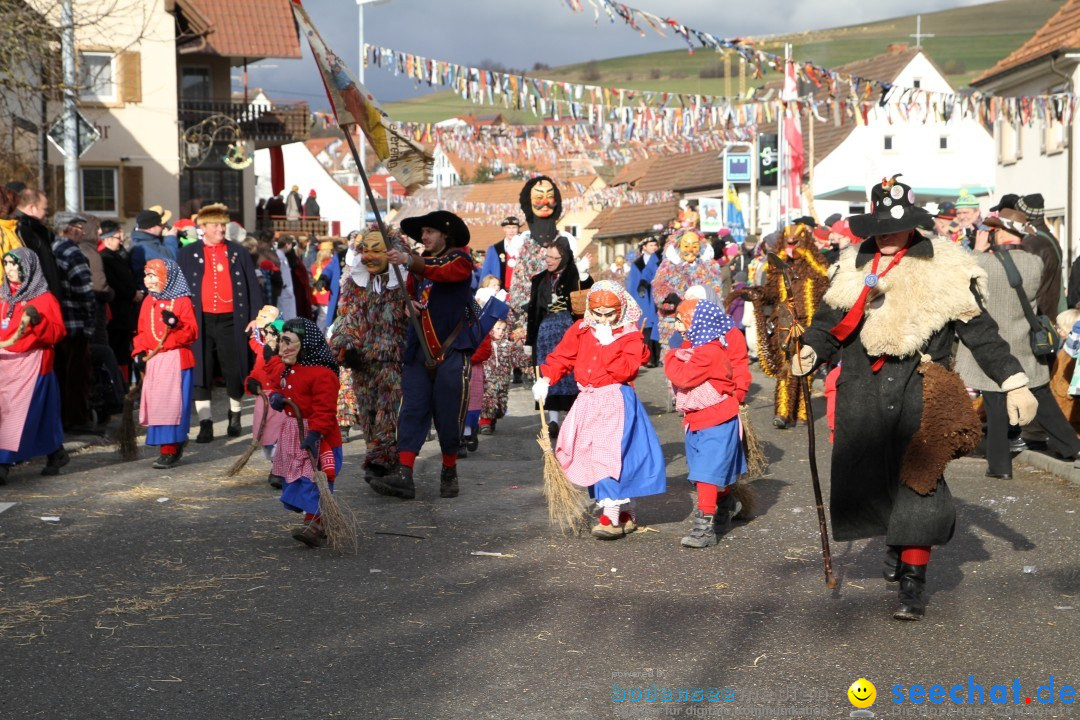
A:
(687, 261)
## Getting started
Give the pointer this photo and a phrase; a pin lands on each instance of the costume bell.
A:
(304, 372)
(30, 327)
(894, 305)
(710, 375)
(368, 341)
(162, 349)
(607, 442)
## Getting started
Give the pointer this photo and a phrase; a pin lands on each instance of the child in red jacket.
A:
(710, 374)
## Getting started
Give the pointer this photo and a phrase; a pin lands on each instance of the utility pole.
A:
(71, 124)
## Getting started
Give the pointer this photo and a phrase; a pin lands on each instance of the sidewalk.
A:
(1048, 463)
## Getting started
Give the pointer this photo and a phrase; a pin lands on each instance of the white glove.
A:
(805, 362)
(603, 334)
(540, 390)
(1021, 405)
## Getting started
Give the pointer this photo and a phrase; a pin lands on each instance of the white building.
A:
(337, 206)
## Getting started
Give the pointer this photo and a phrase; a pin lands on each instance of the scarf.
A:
(32, 280)
(176, 285)
(709, 323)
(314, 351)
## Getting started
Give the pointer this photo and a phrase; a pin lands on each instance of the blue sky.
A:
(518, 33)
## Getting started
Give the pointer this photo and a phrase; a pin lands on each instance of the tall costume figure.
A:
(369, 342)
(773, 318)
(639, 281)
(687, 261)
(608, 443)
(162, 347)
(894, 304)
(226, 296)
(30, 327)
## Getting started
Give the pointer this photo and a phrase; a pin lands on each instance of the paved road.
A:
(181, 595)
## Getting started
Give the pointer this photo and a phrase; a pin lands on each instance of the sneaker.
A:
(602, 531)
(726, 510)
(553, 432)
(448, 484)
(234, 424)
(345, 433)
(55, 461)
(311, 534)
(399, 484)
(165, 461)
(276, 481)
(702, 531)
(779, 423)
(206, 431)
(486, 429)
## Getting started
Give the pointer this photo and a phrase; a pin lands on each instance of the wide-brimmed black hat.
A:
(892, 209)
(444, 221)
(1008, 200)
(510, 221)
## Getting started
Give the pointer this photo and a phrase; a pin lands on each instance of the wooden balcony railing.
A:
(265, 124)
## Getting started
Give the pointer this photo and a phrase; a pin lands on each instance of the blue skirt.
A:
(43, 432)
(175, 434)
(643, 469)
(715, 454)
(302, 495)
(548, 335)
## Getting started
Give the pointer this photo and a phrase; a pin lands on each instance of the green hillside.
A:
(967, 41)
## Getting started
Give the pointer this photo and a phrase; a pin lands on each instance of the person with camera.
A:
(998, 251)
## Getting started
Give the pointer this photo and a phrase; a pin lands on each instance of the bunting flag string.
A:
(647, 114)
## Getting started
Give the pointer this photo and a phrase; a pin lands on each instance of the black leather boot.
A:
(912, 584)
(399, 484)
(448, 485)
(55, 461)
(234, 424)
(206, 431)
(891, 569)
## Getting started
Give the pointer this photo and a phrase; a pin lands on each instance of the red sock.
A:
(169, 449)
(915, 554)
(706, 497)
(449, 459)
(406, 458)
(485, 422)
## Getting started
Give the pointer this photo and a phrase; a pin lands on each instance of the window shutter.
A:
(130, 70)
(132, 181)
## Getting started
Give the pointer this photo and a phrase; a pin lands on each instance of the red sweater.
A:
(44, 335)
(482, 353)
(314, 389)
(726, 369)
(180, 337)
(595, 364)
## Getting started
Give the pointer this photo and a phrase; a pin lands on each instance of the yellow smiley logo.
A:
(862, 693)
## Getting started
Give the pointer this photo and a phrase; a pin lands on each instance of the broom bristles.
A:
(567, 508)
(757, 463)
(256, 440)
(338, 521)
(744, 494)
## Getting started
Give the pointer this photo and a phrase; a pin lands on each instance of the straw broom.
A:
(338, 522)
(567, 507)
(256, 440)
(757, 464)
(126, 442)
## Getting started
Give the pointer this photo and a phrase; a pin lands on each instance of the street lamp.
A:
(360, 143)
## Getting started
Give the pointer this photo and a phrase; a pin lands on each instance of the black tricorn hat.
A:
(892, 209)
(442, 220)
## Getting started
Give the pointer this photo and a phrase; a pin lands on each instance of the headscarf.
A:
(562, 281)
(175, 283)
(709, 322)
(631, 311)
(314, 352)
(33, 281)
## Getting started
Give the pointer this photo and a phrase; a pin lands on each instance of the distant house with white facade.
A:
(1040, 158)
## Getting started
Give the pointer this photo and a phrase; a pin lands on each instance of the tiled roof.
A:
(630, 220)
(1061, 32)
(248, 28)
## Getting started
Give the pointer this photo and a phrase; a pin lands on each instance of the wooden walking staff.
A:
(795, 333)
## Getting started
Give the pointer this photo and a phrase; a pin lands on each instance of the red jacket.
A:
(483, 352)
(727, 370)
(314, 389)
(180, 337)
(44, 335)
(595, 364)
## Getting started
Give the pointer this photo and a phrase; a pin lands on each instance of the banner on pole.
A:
(354, 105)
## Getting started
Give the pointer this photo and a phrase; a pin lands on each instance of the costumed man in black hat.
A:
(227, 296)
(438, 287)
(773, 319)
(501, 258)
(892, 309)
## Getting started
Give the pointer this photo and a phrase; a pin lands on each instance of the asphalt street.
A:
(180, 594)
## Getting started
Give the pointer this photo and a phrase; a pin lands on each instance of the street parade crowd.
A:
(923, 329)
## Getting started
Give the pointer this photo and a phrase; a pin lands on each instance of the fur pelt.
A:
(949, 429)
(921, 295)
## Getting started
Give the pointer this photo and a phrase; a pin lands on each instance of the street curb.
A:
(1058, 468)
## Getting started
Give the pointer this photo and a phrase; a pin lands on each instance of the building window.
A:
(916, 83)
(1008, 143)
(99, 190)
(888, 142)
(943, 142)
(97, 77)
(195, 83)
(1053, 138)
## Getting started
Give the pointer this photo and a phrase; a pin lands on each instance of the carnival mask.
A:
(155, 275)
(689, 247)
(267, 315)
(373, 254)
(289, 347)
(12, 270)
(684, 313)
(542, 198)
(605, 307)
